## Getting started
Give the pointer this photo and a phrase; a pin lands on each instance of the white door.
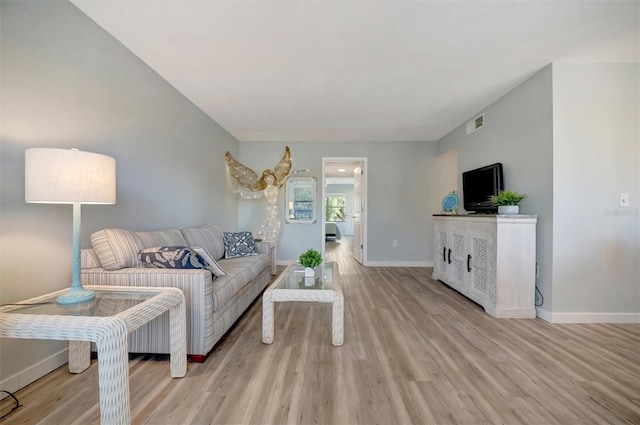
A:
(357, 214)
(348, 221)
(481, 260)
(457, 258)
(441, 230)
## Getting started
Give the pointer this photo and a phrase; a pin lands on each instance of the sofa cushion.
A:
(254, 264)
(224, 288)
(238, 244)
(119, 248)
(171, 257)
(211, 263)
(240, 271)
(208, 237)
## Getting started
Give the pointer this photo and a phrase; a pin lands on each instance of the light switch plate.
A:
(624, 199)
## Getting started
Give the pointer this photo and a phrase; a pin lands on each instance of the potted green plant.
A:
(310, 260)
(507, 201)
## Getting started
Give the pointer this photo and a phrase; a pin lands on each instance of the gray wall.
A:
(596, 150)
(339, 188)
(66, 83)
(399, 205)
(518, 132)
(569, 139)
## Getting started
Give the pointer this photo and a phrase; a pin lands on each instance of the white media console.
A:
(491, 259)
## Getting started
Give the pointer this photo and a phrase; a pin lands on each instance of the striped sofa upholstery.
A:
(213, 305)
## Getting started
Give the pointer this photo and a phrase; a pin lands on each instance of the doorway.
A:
(344, 201)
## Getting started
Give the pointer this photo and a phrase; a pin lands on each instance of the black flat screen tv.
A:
(478, 185)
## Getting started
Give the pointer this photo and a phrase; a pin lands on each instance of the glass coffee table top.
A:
(295, 279)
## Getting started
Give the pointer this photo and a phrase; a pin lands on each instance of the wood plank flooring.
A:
(415, 352)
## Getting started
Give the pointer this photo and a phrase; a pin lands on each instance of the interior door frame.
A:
(365, 209)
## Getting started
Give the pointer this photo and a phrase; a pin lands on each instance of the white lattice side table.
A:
(106, 321)
(291, 285)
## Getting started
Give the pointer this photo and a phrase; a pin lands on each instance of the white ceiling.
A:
(394, 70)
(340, 171)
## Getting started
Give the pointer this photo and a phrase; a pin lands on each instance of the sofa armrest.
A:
(196, 285)
(267, 247)
(142, 276)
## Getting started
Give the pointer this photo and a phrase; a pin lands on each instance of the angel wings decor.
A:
(249, 180)
(252, 186)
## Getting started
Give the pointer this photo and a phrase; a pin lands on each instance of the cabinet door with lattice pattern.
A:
(440, 246)
(481, 264)
(456, 257)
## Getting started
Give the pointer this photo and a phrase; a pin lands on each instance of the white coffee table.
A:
(291, 286)
(107, 320)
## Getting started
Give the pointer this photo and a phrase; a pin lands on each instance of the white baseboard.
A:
(544, 314)
(511, 313)
(35, 372)
(380, 263)
(399, 264)
(588, 317)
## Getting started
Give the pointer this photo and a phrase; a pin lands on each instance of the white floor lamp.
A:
(70, 176)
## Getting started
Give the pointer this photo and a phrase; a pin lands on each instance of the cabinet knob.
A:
(469, 263)
(444, 254)
(449, 256)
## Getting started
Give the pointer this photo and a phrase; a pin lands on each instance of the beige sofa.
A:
(213, 304)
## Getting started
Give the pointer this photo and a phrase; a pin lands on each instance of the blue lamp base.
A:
(76, 295)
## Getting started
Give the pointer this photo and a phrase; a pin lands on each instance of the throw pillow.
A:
(171, 257)
(89, 259)
(238, 244)
(210, 262)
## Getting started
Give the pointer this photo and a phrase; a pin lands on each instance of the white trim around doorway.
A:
(365, 209)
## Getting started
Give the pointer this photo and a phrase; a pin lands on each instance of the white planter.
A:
(309, 276)
(309, 281)
(309, 272)
(508, 209)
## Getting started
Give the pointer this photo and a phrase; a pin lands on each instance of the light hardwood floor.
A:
(415, 352)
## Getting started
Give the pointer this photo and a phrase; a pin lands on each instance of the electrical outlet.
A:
(624, 199)
(395, 243)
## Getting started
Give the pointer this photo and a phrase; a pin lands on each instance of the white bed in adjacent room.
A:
(332, 231)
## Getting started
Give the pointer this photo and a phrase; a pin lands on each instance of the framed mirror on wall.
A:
(300, 200)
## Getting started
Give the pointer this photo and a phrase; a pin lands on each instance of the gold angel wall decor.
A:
(249, 180)
(267, 185)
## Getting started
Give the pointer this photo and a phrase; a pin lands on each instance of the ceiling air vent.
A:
(475, 124)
